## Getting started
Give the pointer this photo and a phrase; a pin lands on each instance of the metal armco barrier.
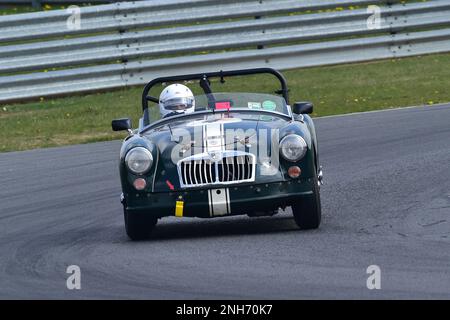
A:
(129, 43)
(39, 3)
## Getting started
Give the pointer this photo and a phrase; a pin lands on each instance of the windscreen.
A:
(240, 100)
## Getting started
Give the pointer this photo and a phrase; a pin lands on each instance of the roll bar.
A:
(204, 78)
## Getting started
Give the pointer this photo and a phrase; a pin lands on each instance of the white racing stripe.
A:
(214, 141)
(219, 202)
(214, 136)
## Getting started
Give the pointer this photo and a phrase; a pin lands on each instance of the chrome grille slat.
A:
(246, 167)
(205, 173)
(249, 165)
(239, 163)
(227, 170)
(201, 170)
(210, 171)
(232, 168)
(195, 173)
(185, 173)
(190, 173)
(238, 168)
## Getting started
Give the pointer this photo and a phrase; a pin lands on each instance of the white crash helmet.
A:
(176, 98)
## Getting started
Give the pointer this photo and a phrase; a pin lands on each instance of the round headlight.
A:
(139, 160)
(293, 147)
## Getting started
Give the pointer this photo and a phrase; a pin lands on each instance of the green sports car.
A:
(234, 153)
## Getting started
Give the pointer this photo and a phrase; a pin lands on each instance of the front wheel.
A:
(307, 210)
(138, 226)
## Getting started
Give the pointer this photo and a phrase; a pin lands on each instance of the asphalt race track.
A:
(386, 201)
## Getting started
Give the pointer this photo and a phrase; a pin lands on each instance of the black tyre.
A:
(138, 226)
(308, 211)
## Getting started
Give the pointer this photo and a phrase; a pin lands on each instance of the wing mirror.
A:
(121, 124)
(304, 107)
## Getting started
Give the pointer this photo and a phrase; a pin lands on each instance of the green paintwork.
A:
(246, 198)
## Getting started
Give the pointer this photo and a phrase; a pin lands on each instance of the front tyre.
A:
(307, 210)
(138, 226)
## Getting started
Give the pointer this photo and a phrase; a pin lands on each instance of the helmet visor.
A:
(179, 103)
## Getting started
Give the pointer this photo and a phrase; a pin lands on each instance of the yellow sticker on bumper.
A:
(179, 208)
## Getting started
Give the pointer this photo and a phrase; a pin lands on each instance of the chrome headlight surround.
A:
(139, 160)
(293, 147)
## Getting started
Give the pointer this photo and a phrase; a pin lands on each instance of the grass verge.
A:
(333, 90)
(23, 8)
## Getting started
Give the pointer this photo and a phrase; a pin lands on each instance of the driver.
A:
(176, 99)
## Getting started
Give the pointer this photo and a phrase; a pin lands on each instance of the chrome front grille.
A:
(205, 169)
(197, 172)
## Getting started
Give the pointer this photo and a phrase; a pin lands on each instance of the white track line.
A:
(382, 110)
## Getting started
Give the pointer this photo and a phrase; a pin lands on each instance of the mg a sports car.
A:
(232, 153)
